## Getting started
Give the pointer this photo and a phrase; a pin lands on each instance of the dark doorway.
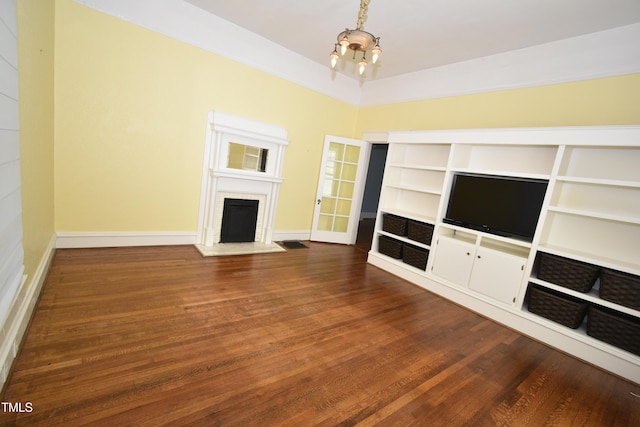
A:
(239, 218)
(373, 183)
(371, 197)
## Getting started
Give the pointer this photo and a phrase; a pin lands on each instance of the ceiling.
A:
(416, 35)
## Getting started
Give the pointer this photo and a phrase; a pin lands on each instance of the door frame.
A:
(369, 139)
(348, 237)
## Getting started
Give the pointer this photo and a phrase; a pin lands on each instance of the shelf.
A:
(414, 188)
(581, 334)
(609, 202)
(456, 233)
(488, 236)
(416, 235)
(591, 296)
(606, 163)
(501, 173)
(578, 255)
(429, 156)
(418, 167)
(596, 215)
(398, 265)
(522, 160)
(404, 239)
(598, 181)
(415, 179)
(410, 215)
(601, 240)
(505, 246)
(419, 204)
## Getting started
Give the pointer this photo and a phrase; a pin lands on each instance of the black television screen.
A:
(504, 206)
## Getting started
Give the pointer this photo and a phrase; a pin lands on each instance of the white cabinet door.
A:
(453, 260)
(497, 274)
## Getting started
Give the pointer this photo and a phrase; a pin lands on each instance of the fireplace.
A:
(239, 218)
(243, 160)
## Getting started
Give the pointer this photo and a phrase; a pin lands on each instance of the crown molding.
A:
(602, 54)
(187, 23)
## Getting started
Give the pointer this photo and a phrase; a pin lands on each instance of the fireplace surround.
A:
(243, 159)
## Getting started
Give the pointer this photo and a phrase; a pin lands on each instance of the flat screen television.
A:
(505, 206)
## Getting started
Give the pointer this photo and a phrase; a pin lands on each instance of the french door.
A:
(340, 188)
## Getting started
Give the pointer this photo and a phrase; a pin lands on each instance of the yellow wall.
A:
(131, 109)
(35, 58)
(606, 101)
(131, 106)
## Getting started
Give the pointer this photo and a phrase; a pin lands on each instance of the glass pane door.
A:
(339, 190)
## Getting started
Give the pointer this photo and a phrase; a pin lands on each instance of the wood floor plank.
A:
(162, 336)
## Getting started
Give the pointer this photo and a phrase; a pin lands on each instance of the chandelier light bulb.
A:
(362, 64)
(344, 43)
(376, 51)
(334, 56)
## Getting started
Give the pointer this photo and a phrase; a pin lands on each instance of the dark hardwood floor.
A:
(161, 336)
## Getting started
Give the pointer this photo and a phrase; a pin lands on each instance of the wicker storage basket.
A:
(390, 247)
(394, 224)
(415, 256)
(566, 272)
(621, 288)
(561, 309)
(615, 328)
(420, 232)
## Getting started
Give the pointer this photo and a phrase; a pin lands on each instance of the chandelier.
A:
(357, 40)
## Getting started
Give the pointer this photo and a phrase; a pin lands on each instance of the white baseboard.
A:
(66, 240)
(21, 310)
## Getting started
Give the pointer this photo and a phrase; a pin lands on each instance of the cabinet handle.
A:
(479, 257)
(468, 253)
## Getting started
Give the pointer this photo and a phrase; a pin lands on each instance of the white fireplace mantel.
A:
(219, 180)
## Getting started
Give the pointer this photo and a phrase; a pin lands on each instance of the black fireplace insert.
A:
(239, 219)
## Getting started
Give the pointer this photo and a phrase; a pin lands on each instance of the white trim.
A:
(623, 135)
(118, 239)
(21, 311)
(603, 54)
(606, 53)
(233, 125)
(376, 137)
(94, 239)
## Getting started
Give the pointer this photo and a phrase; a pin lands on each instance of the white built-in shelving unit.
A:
(591, 214)
(414, 178)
